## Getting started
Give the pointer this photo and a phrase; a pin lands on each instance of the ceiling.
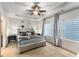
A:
(18, 8)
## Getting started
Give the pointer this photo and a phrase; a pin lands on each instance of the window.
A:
(48, 28)
(71, 29)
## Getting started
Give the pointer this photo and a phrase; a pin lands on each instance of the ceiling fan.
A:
(36, 10)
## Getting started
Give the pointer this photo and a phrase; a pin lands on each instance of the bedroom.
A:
(18, 23)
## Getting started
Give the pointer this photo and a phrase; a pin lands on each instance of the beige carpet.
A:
(45, 51)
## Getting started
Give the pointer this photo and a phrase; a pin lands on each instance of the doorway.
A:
(0, 35)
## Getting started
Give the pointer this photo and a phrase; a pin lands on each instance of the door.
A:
(0, 35)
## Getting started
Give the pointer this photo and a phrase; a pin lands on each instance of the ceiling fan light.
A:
(35, 12)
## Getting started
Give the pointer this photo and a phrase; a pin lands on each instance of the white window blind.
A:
(70, 25)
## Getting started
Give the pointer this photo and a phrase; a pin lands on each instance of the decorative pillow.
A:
(24, 37)
(35, 36)
(23, 34)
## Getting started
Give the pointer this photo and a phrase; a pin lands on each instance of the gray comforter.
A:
(35, 38)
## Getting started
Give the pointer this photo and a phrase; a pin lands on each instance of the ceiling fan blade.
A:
(30, 10)
(31, 13)
(42, 11)
(39, 14)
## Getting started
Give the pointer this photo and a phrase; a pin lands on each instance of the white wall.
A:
(14, 24)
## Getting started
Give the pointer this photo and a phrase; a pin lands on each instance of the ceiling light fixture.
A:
(35, 12)
(36, 9)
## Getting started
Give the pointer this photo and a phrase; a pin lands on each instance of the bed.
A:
(25, 44)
